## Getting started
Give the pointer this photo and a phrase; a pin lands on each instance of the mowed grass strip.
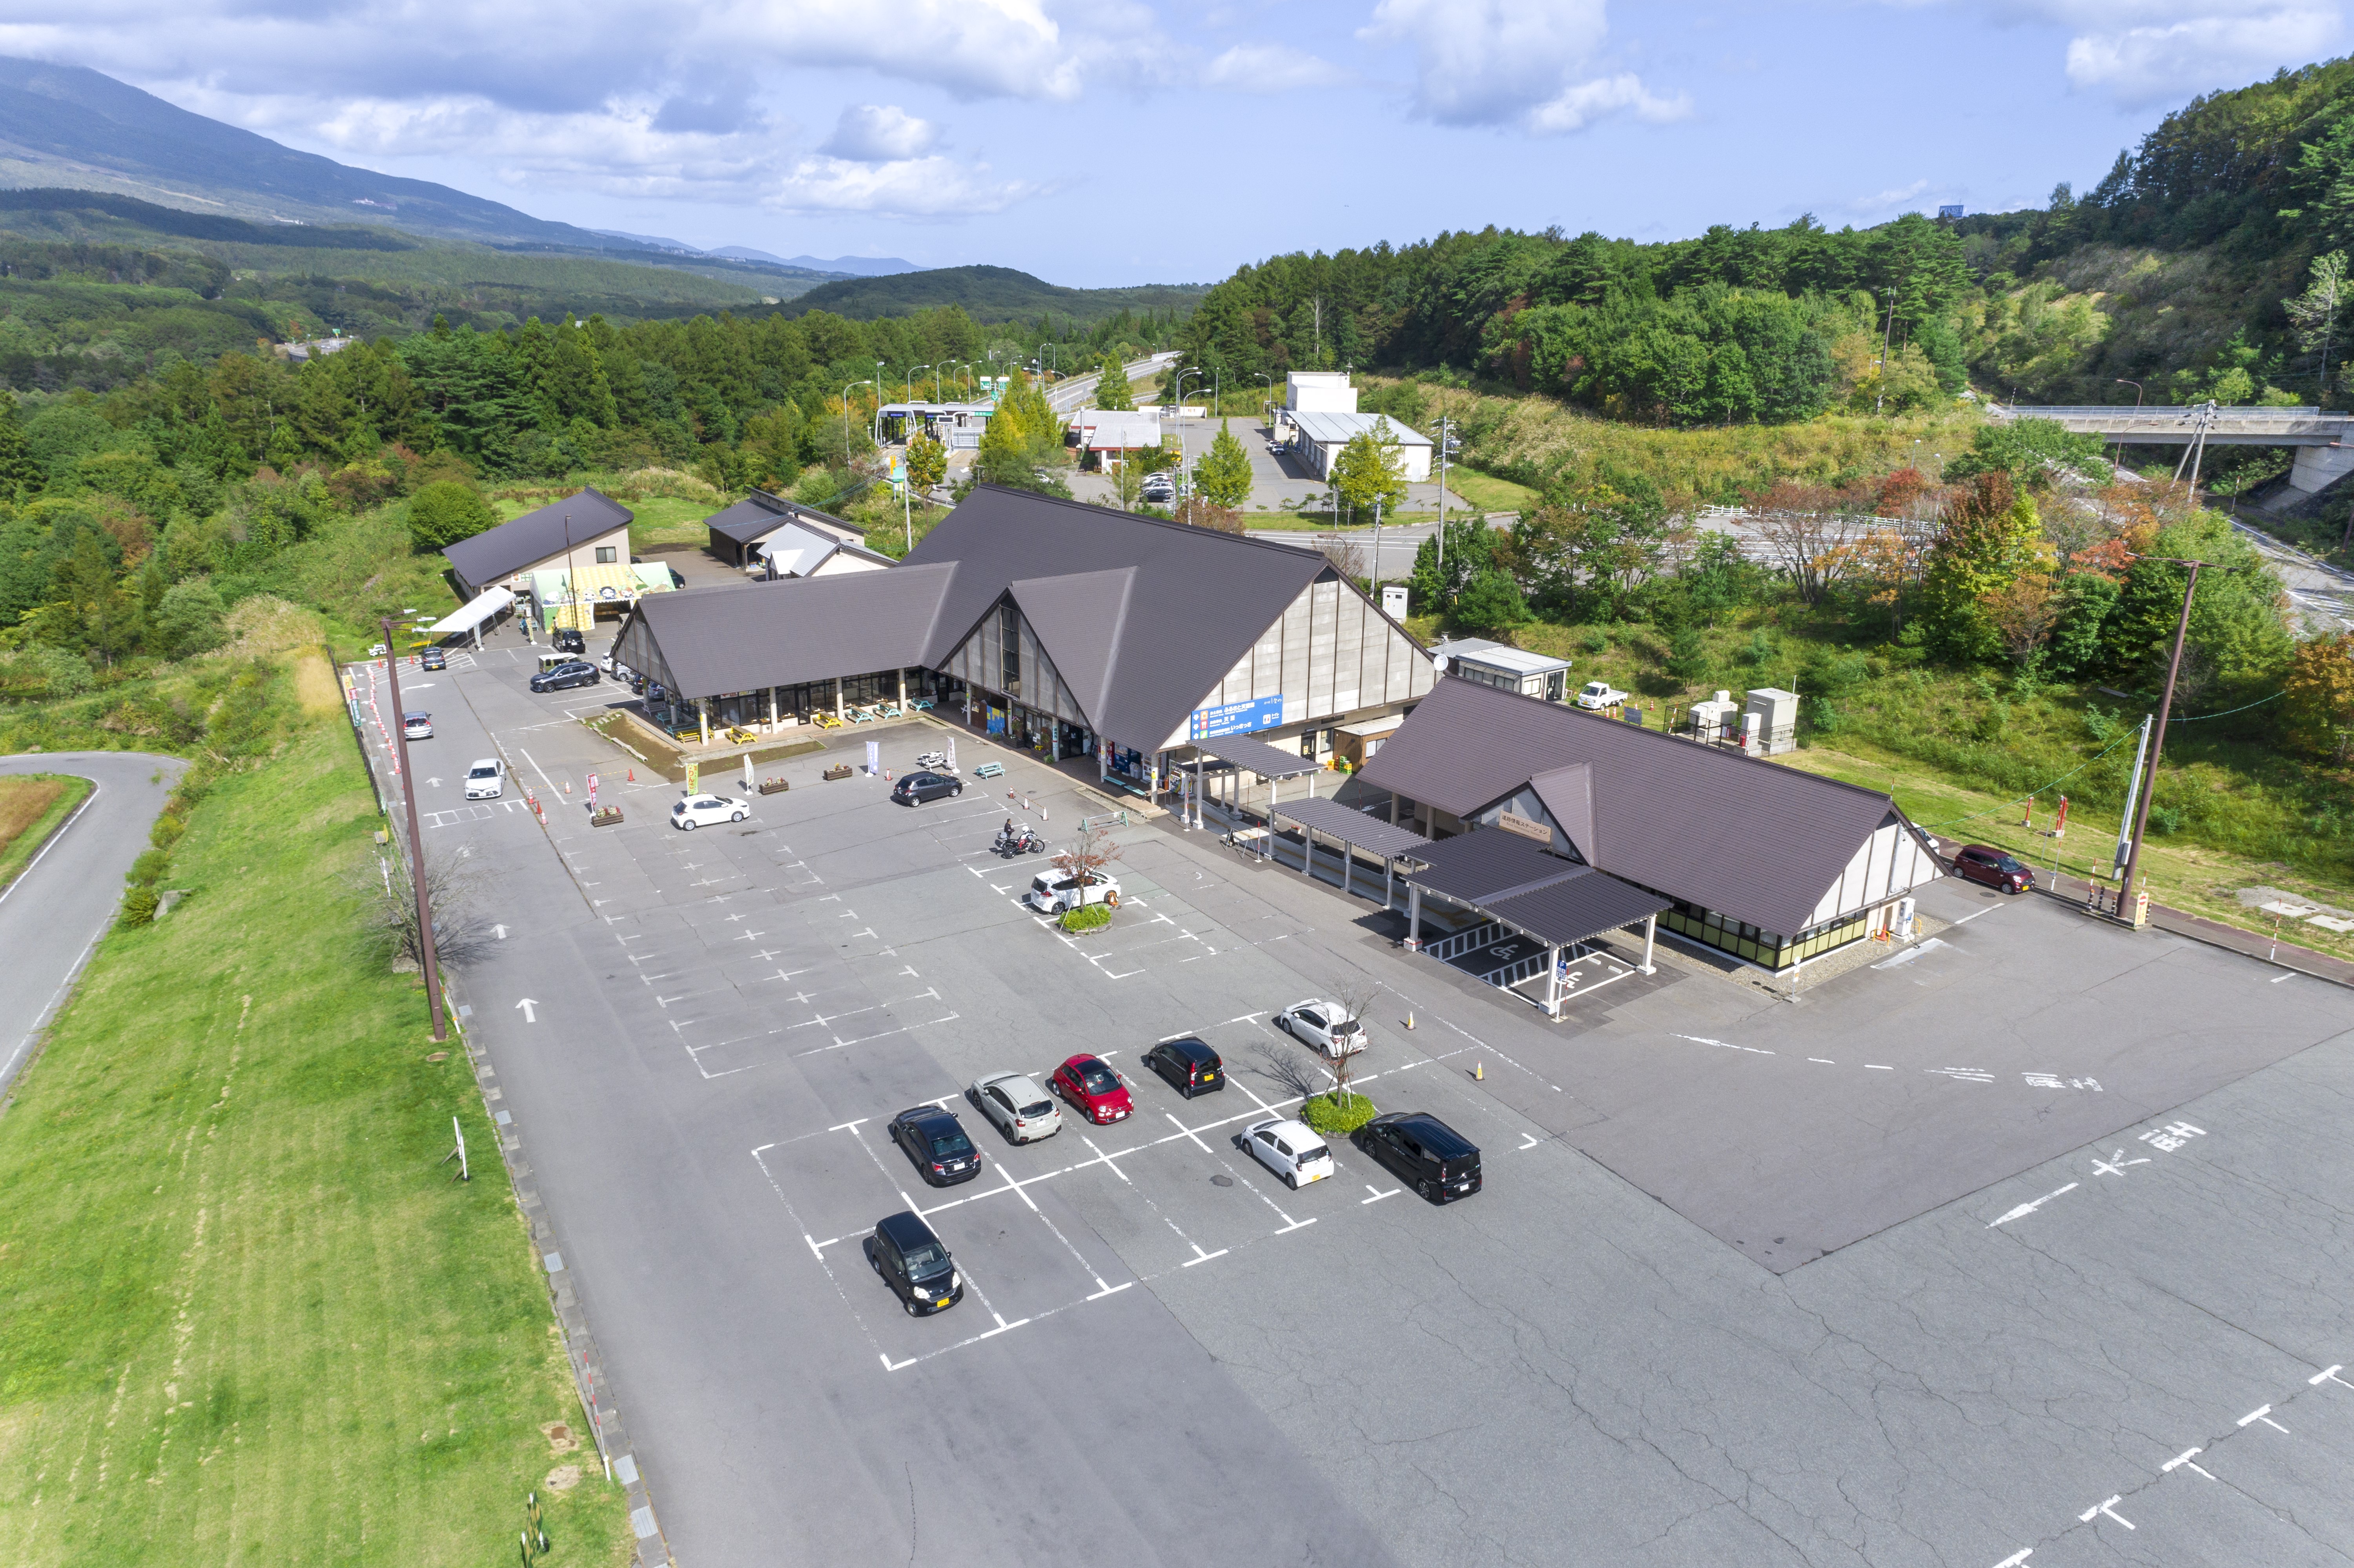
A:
(248, 1318)
(32, 807)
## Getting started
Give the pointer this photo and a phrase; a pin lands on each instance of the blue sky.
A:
(1118, 141)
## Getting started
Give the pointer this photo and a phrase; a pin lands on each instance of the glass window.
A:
(605, 554)
(1009, 643)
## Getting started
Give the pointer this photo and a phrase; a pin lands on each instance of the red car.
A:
(1996, 868)
(1094, 1090)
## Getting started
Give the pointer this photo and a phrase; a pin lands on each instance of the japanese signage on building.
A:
(1237, 718)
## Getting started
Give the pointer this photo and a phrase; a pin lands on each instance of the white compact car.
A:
(486, 779)
(1021, 1110)
(1053, 891)
(698, 810)
(1325, 1025)
(1292, 1149)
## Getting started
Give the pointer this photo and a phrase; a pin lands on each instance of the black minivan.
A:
(1434, 1159)
(1187, 1065)
(916, 1265)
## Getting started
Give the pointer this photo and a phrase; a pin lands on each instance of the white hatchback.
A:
(697, 810)
(1292, 1149)
(486, 779)
(1021, 1110)
(1325, 1025)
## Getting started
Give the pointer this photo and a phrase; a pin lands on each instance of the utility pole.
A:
(1887, 333)
(416, 845)
(2157, 743)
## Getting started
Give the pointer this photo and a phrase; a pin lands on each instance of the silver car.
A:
(1023, 1111)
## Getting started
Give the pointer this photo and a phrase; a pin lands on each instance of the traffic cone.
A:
(1479, 1070)
(1409, 1018)
(567, 786)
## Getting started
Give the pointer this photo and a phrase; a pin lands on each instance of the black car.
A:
(915, 789)
(571, 672)
(1426, 1153)
(916, 1265)
(433, 659)
(1996, 868)
(1187, 1065)
(567, 640)
(935, 1141)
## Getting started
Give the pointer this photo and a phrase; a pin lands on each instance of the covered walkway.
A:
(1529, 904)
(1353, 830)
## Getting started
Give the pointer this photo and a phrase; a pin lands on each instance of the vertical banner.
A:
(592, 791)
(747, 773)
(873, 756)
(952, 768)
(693, 775)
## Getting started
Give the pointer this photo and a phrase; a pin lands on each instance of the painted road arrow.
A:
(527, 1004)
(502, 930)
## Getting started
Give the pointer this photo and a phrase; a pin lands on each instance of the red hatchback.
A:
(1996, 868)
(1094, 1090)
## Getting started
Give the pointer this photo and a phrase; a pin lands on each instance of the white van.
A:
(1053, 891)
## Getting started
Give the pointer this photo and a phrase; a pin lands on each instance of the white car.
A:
(1599, 695)
(698, 810)
(1053, 891)
(1021, 1110)
(486, 779)
(1325, 1025)
(1292, 1149)
(417, 726)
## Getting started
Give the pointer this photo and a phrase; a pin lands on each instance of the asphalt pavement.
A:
(52, 916)
(2020, 1242)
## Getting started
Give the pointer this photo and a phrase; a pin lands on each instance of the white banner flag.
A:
(873, 756)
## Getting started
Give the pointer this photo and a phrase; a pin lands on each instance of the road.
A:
(1070, 396)
(53, 915)
(1931, 1265)
(2322, 596)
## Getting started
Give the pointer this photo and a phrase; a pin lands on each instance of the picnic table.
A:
(989, 770)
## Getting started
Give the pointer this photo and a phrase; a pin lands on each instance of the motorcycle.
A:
(1018, 841)
(936, 761)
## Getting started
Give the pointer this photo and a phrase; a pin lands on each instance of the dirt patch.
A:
(559, 1438)
(23, 800)
(562, 1478)
(315, 686)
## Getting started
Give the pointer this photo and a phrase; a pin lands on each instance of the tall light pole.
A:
(431, 960)
(1446, 445)
(2157, 743)
(911, 385)
(1177, 417)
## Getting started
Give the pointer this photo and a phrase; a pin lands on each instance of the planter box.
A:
(773, 786)
(605, 816)
(839, 770)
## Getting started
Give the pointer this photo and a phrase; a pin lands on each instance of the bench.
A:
(989, 770)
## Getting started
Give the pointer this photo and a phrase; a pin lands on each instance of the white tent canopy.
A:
(476, 611)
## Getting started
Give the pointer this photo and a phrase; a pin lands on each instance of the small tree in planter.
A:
(1341, 1110)
(1088, 858)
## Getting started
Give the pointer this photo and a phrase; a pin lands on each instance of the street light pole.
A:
(2158, 742)
(431, 960)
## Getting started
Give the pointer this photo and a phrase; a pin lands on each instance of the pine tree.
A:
(1112, 391)
(21, 476)
(1223, 477)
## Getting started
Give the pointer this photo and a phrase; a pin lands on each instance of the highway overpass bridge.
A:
(2324, 440)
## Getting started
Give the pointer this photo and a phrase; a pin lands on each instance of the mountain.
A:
(64, 125)
(855, 266)
(986, 294)
(652, 241)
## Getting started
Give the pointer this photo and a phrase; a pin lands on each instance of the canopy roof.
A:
(1352, 826)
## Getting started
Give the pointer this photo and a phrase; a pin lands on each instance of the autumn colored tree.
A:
(1989, 535)
(2320, 698)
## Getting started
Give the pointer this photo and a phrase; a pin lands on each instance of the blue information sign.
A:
(1237, 718)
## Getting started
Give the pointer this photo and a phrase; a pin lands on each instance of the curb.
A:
(652, 1549)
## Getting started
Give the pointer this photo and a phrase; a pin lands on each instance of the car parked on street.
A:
(417, 726)
(1021, 1109)
(915, 1263)
(570, 673)
(698, 810)
(935, 1141)
(433, 659)
(915, 789)
(1095, 1091)
(1325, 1025)
(1997, 869)
(1424, 1152)
(1187, 1065)
(1292, 1149)
(486, 779)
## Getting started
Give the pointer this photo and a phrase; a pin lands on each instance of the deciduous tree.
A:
(1223, 476)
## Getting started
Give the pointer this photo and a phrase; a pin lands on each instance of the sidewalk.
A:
(2076, 891)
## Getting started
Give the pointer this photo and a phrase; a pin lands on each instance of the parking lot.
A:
(1915, 1269)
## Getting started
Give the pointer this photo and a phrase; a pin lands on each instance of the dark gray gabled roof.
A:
(740, 638)
(535, 537)
(1197, 602)
(1075, 618)
(1350, 826)
(1752, 840)
(1523, 884)
(1257, 757)
(1576, 907)
(760, 513)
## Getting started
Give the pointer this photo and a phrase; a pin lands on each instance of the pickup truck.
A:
(1599, 695)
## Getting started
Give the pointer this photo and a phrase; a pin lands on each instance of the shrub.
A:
(1338, 1118)
(149, 869)
(446, 511)
(1090, 918)
(139, 907)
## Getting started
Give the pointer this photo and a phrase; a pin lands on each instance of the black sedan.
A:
(433, 659)
(935, 1141)
(915, 789)
(571, 672)
(1187, 1065)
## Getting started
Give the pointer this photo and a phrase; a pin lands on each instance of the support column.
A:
(1308, 852)
(903, 688)
(703, 719)
(1394, 808)
(1389, 881)
(1553, 982)
(1650, 931)
(1348, 867)
(1414, 914)
(772, 710)
(837, 696)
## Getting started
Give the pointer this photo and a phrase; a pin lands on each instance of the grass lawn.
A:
(661, 519)
(1488, 493)
(32, 807)
(249, 1320)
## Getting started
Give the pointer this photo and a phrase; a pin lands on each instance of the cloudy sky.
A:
(1101, 141)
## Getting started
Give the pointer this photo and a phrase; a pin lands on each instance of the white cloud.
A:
(2143, 52)
(1271, 68)
(905, 188)
(880, 133)
(1512, 62)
